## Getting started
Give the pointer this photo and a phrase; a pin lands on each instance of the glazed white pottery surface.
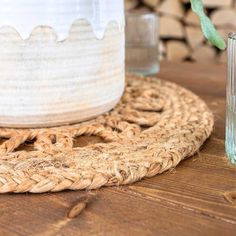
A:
(25, 15)
(47, 82)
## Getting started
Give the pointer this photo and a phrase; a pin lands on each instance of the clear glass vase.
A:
(142, 43)
(231, 100)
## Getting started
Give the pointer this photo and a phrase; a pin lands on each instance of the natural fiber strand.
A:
(156, 125)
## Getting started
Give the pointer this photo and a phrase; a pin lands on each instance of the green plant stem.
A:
(207, 26)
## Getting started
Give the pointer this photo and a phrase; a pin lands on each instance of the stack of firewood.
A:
(180, 32)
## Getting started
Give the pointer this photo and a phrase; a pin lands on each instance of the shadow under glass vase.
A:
(231, 100)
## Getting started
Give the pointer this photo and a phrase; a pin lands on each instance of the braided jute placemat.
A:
(155, 126)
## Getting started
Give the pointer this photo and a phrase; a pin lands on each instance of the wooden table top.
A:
(187, 201)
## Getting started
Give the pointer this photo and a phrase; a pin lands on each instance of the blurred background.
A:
(181, 38)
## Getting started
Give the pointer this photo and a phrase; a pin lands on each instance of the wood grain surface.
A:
(197, 198)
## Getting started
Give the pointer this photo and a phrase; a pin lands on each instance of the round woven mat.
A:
(155, 126)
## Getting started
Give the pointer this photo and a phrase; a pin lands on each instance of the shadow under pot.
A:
(61, 62)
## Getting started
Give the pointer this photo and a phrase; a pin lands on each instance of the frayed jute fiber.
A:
(155, 126)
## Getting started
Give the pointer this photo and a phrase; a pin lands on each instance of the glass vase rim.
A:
(232, 35)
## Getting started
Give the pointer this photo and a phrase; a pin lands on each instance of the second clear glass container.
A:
(142, 43)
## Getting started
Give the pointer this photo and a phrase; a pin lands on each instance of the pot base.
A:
(54, 120)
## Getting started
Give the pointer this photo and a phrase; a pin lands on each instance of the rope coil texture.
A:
(155, 126)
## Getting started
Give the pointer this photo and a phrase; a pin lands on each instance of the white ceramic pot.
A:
(61, 61)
